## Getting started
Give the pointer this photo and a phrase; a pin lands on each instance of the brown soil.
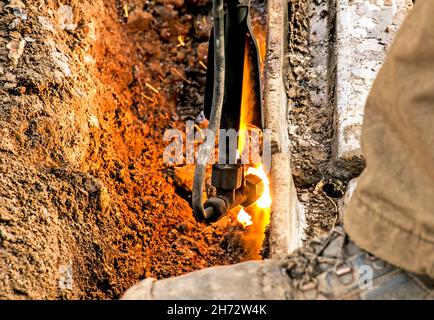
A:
(87, 207)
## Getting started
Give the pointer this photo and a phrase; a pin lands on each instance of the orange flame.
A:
(257, 216)
(265, 200)
(244, 218)
(247, 100)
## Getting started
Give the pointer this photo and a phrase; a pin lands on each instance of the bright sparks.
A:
(244, 218)
(265, 200)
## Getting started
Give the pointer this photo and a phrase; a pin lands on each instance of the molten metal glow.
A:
(244, 218)
(265, 200)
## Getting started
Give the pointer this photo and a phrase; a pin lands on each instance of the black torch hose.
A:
(216, 111)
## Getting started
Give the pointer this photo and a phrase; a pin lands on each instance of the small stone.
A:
(390, 29)
(90, 186)
(180, 56)
(165, 34)
(14, 24)
(200, 117)
(202, 26)
(18, 9)
(66, 278)
(139, 20)
(202, 52)
(93, 121)
(46, 24)
(89, 31)
(29, 39)
(10, 77)
(88, 59)
(20, 13)
(16, 50)
(15, 35)
(66, 18)
(104, 199)
(62, 63)
(9, 85)
(135, 70)
(16, 4)
(7, 217)
(304, 197)
(300, 72)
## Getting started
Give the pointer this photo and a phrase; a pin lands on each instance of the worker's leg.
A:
(391, 213)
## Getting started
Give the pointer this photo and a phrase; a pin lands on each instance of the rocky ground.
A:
(87, 88)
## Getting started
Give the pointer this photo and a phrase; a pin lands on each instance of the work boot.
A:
(330, 267)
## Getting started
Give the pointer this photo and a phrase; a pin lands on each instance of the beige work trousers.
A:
(391, 213)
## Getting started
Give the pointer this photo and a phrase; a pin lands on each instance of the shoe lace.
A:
(302, 266)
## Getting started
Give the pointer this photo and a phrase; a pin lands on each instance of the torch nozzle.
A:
(250, 191)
